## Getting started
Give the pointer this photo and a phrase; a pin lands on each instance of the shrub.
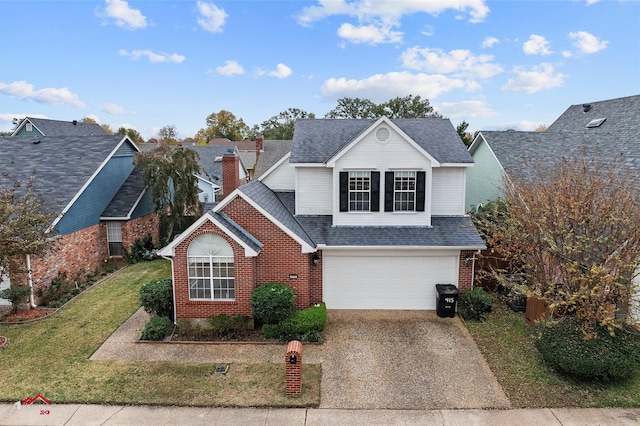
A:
(141, 250)
(604, 356)
(224, 324)
(16, 295)
(475, 304)
(156, 297)
(156, 328)
(272, 302)
(305, 325)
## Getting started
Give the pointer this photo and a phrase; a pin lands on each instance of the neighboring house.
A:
(211, 180)
(362, 214)
(273, 152)
(31, 126)
(606, 130)
(100, 199)
(249, 151)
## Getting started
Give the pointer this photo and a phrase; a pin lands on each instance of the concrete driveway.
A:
(404, 360)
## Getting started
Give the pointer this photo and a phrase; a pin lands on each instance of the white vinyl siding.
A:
(314, 188)
(448, 191)
(386, 279)
(282, 178)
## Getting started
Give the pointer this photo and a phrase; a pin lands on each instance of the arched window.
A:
(211, 274)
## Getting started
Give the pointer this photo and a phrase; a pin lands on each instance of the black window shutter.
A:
(421, 189)
(388, 191)
(344, 191)
(375, 191)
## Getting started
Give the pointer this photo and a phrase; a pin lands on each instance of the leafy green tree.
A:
(574, 232)
(406, 107)
(354, 108)
(132, 133)
(170, 171)
(280, 127)
(24, 222)
(466, 137)
(223, 124)
(168, 135)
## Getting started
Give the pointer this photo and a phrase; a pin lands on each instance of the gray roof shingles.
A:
(317, 141)
(212, 169)
(66, 128)
(61, 165)
(272, 152)
(125, 199)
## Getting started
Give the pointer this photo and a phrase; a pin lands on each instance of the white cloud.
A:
(587, 43)
(539, 77)
(115, 109)
(212, 18)
(281, 71)
(49, 95)
(489, 42)
(536, 45)
(370, 34)
(465, 109)
(460, 63)
(230, 68)
(382, 87)
(152, 57)
(124, 15)
(366, 10)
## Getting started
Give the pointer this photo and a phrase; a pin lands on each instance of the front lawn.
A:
(51, 357)
(506, 343)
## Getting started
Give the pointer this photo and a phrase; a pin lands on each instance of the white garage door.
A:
(358, 280)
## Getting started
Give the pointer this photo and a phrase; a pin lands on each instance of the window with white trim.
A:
(359, 191)
(114, 238)
(404, 191)
(211, 269)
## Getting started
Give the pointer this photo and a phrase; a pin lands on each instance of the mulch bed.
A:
(24, 315)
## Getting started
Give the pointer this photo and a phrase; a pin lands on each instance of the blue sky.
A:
(148, 64)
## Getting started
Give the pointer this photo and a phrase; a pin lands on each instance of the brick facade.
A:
(280, 260)
(465, 269)
(84, 250)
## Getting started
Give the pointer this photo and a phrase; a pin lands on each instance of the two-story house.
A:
(361, 214)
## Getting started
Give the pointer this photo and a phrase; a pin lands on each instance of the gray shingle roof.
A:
(445, 231)
(62, 165)
(126, 198)
(318, 140)
(212, 170)
(273, 152)
(622, 118)
(66, 128)
(237, 230)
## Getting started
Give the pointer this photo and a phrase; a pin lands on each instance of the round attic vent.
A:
(382, 134)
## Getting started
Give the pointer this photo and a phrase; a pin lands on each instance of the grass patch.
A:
(506, 343)
(51, 357)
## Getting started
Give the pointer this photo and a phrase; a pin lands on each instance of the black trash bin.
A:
(446, 299)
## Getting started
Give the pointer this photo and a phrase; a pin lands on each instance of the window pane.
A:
(359, 190)
(404, 194)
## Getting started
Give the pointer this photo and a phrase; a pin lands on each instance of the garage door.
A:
(354, 280)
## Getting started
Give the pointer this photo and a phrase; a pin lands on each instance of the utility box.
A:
(293, 369)
(446, 300)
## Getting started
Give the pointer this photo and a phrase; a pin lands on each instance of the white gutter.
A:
(30, 279)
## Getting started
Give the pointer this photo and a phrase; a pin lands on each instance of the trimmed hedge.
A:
(156, 297)
(272, 302)
(305, 325)
(604, 357)
(156, 328)
(475, 304)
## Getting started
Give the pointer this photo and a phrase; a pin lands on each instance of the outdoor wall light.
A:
(315, 259)
(468, 260)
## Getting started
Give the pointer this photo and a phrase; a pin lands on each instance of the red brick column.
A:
(293, 382)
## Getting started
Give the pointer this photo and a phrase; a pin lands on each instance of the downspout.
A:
(173, 286)
(30, 279)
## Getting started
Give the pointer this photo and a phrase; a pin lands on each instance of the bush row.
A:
(305, 325)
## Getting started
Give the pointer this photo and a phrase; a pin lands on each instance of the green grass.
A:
(506, 343)
(51, 357)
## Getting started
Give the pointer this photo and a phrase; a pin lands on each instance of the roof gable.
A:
(61, 128)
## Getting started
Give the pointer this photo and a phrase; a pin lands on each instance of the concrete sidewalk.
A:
(112, 415)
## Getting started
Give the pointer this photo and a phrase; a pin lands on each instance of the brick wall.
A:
(244, 280)
(465, 272)
(140, 228)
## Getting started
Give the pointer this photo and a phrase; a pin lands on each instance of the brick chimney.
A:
(259, 143)
(230, 173)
